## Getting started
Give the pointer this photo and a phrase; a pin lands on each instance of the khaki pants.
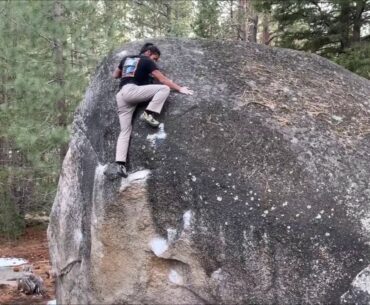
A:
(127, 99)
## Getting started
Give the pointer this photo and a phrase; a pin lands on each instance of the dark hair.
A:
(150, 47)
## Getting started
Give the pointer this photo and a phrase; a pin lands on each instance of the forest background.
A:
(49, 49)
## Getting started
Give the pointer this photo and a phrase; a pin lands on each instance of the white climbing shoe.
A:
(148, 118)
(114, 171)
(122, 171)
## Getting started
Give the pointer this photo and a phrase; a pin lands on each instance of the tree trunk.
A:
(252, 28)
(248, 21)
(242, 20)
(265, 39)
(60, 71)
(344, 25)
(357, 21)
(233, 31)
(232, 11)
(168, 13)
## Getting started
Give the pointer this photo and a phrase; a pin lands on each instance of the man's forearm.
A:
(165, 81)
(170, 84)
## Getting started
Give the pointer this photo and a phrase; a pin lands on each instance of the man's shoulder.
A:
(147, 61)
(128, 57)
(146, 58)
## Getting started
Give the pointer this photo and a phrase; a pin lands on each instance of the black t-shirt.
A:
(136, 70)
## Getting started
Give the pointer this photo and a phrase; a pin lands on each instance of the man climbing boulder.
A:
(136, 73)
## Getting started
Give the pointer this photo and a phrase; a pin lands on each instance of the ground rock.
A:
(254, 191)
(30, 283)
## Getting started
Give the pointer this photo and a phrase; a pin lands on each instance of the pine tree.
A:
(248, 21)
(160, 18)
(206, 24)
(326, 27)
(332, 28)
(48, 50)
(266, 34)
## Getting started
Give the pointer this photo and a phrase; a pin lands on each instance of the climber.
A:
(136, 74)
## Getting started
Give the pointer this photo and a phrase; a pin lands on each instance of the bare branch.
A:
(272, 37)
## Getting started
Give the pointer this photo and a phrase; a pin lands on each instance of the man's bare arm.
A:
(117, 73)
(158, 75)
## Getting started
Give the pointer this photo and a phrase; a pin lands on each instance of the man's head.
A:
(151, 51)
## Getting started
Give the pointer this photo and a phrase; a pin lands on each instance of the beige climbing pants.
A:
(127, 99)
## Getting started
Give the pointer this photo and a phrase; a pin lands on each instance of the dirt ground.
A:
(33, 247)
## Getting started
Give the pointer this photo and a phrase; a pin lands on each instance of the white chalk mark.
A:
(136, 177)
(158, 245)
(187, 219)
(159, 135)
(175, 277)
(171, 235)
(78, 236)
(362, 281)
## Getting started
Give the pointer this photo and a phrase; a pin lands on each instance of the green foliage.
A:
(356, 59)
(11, 220)
(206, 24)
(33, 86)
(326, 27)
(148, 18)
(331, 28)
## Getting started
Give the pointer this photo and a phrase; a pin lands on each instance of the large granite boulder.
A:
(254, 191)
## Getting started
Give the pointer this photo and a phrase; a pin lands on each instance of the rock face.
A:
(254, 191)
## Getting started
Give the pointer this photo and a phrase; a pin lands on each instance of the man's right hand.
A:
(186, 90)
